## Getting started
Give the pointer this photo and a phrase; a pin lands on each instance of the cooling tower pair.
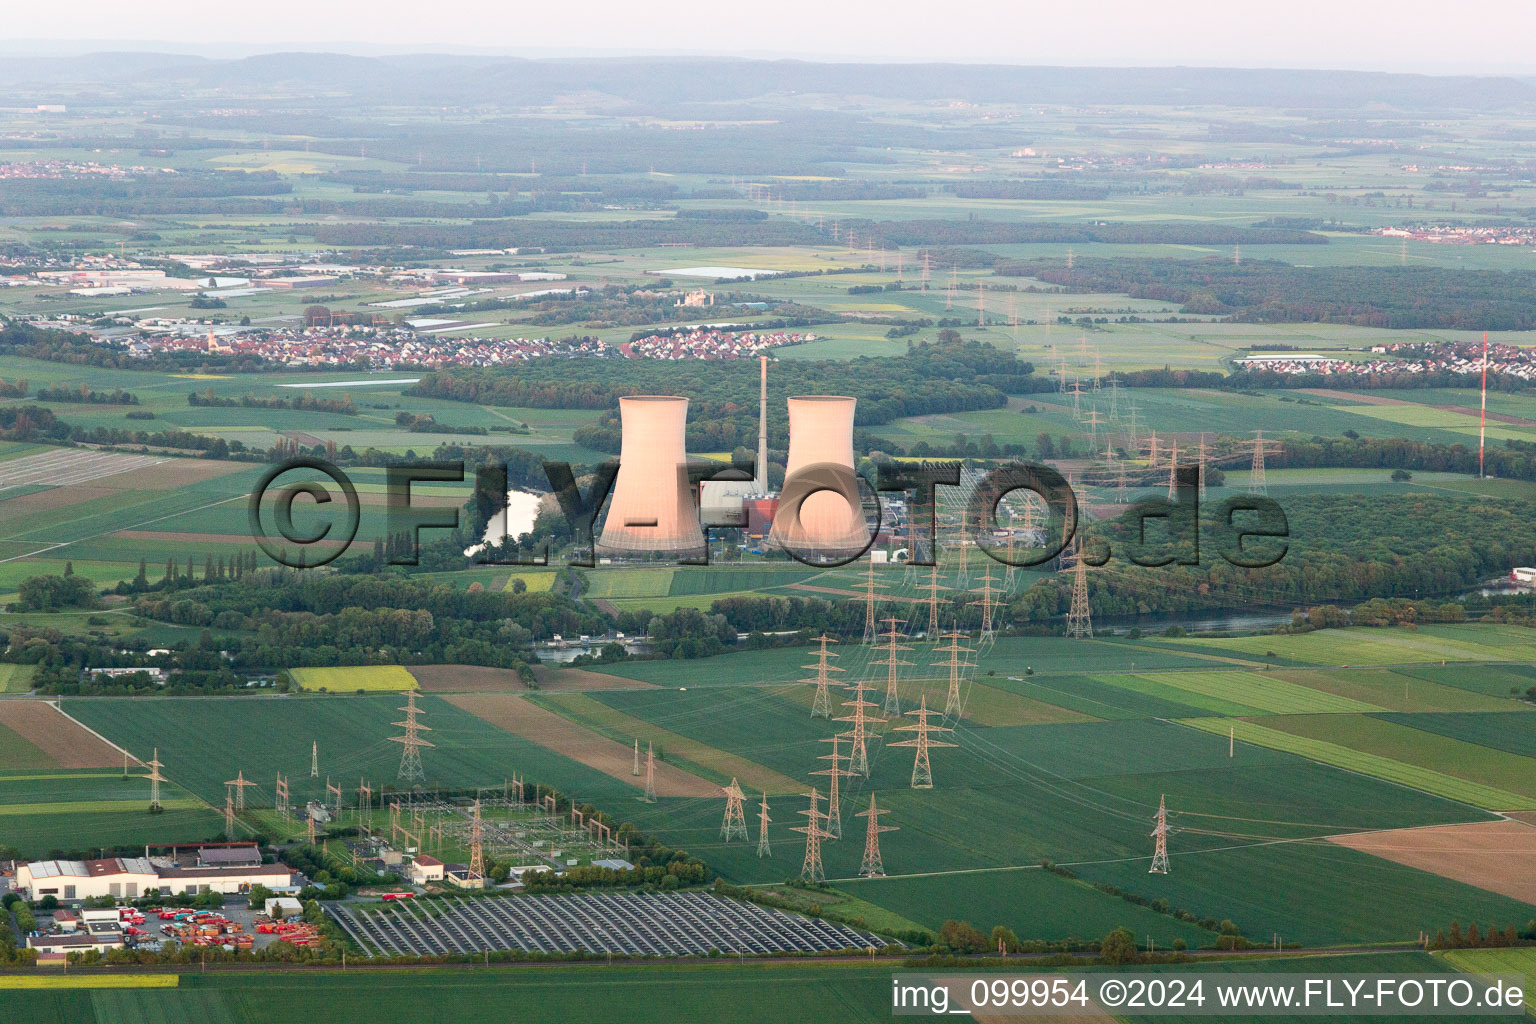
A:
(652, 509)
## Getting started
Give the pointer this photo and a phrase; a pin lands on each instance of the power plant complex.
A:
(655, 511)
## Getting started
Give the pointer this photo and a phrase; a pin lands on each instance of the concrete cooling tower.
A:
(652, 506)
(828, 521)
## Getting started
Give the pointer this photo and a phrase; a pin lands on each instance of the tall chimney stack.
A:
(760, 483)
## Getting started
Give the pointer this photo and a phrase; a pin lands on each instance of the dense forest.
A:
(1267, 291)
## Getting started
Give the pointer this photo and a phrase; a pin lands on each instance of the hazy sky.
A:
(1406, 35)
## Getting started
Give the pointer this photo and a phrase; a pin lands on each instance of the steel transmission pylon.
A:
(858, 753)
(868, 599)
(922, 771)
(314, 760)
(1256, 484)
(811, 869)
(735, 824)
(954, 705)
(988, 633)
(650, 773)
(1079, 615)
(476, 844)
(1160, 834)
(635, 771)
(411, 743)
(763, 847)
(239, 784)
(892, 664)
(155, 778)
(933, 589)
(834, 804)
(872, 866)
(821, 701)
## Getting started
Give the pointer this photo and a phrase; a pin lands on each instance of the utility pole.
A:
(872, 867)
(922, 771)
(821, 702)
(281, 796)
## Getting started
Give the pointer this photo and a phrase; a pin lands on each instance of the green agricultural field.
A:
(1034, 904)
(1399, 690)
(1493, 680)
(694, 754)
(204, 742)
(1382, 767)
(1294, 890)
(1364, 646)
(1372, 735)
(607, 583)
(1499, 961)
(359, 678)
(81, 811)
(651, 994)
(16, 678)
(1484, 729)
(1259, 690)
(19, 753)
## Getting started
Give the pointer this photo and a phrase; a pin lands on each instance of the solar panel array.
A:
(673, 924)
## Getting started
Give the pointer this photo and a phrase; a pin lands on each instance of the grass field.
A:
(360, 678)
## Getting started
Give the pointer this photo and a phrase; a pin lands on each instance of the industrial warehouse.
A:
(231, 869)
